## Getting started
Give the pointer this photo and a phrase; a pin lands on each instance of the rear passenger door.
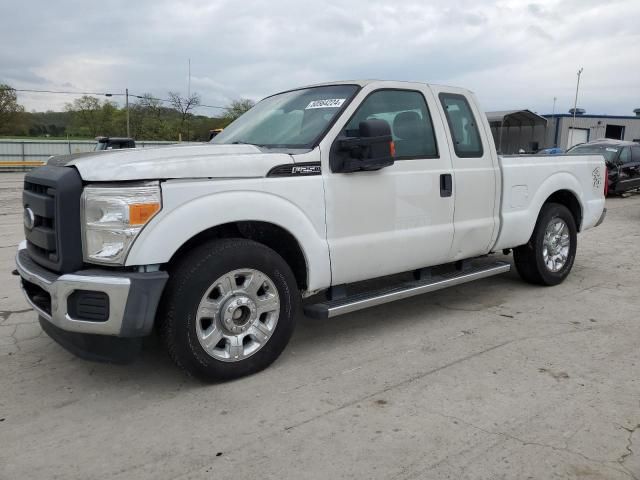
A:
(476, 173)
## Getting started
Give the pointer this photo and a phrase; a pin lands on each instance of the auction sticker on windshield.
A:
(326, 103)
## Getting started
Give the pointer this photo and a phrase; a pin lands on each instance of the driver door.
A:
(397, 218)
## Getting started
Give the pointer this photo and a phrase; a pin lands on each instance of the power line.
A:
(105, 94)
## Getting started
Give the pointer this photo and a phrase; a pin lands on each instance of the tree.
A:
(237, 108)
(10, 110)
(86, 114)
(151, 121)
(113, 121)
(184, 105)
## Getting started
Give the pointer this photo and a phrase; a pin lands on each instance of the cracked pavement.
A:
(491, 380)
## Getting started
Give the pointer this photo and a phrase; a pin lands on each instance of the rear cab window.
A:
(463, 126)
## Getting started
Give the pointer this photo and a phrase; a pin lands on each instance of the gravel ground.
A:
(490, 380)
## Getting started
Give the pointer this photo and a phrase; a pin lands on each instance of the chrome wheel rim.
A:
(555, 245)
(237, 315)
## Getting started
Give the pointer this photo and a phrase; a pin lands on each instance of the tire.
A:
(530, 258)
(219, 277)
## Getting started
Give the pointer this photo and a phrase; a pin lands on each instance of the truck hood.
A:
(182, 161)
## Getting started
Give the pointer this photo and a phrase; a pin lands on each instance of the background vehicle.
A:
(312, 190)
(622, 159)
(214, 132)
(550, 151)
(114, 143)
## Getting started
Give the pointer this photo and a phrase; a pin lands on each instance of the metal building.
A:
(517, 130)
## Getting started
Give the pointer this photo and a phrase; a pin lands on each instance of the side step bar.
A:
(340, 306)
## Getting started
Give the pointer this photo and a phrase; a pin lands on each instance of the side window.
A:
(407, 114)
(463, 126)
(625, 155)
(635, 154)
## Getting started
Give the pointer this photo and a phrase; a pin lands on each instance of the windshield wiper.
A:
(248, 143)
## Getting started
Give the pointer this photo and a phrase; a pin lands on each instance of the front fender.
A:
(182, 218)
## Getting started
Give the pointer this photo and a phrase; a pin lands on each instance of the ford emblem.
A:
(29, 218)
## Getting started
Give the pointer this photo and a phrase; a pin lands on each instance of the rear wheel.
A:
(229, 309)
(548, 256)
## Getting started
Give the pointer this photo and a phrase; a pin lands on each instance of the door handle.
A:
(446, 185)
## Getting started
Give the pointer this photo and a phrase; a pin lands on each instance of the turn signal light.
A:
(140, 213)
(392, 148)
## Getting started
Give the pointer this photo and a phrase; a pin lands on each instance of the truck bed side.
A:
(528, 181)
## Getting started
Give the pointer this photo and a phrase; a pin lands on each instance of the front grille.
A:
(40, 199)
(51, 199)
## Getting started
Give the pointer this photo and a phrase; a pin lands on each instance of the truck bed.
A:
(529, 180)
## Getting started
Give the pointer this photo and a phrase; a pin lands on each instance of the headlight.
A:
(112, 218)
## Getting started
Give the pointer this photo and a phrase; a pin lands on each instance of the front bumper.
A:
(131, 298)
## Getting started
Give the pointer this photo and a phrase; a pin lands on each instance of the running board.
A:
(340, 306)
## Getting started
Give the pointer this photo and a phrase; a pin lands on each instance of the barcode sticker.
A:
(326, 103)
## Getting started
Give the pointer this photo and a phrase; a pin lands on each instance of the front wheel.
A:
(548, 257)
(229, 309)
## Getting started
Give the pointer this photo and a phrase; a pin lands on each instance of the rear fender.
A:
(518, 221)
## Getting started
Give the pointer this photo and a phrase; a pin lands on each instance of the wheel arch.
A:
(269, 234)
(570, 200)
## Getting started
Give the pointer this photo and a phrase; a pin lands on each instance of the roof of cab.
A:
(381, 83)
(365, 82)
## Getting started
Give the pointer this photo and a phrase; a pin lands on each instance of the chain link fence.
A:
(26, 154)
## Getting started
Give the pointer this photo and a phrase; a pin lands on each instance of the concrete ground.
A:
(491, 380)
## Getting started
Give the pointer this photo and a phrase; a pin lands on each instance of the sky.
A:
(512, 54)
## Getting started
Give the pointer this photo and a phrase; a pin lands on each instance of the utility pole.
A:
(126, 104)
(553, 115)
(188, 97)
(575, 105)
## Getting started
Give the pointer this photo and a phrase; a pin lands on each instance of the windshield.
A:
(610, 153)
(293, 119)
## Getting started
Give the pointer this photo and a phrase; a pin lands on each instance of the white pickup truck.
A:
(314, 190)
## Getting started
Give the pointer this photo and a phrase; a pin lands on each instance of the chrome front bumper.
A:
(133, 297)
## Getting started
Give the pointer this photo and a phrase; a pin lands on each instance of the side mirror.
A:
(372, 149)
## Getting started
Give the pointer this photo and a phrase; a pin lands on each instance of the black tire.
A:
(190, 278)
(529, 258)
